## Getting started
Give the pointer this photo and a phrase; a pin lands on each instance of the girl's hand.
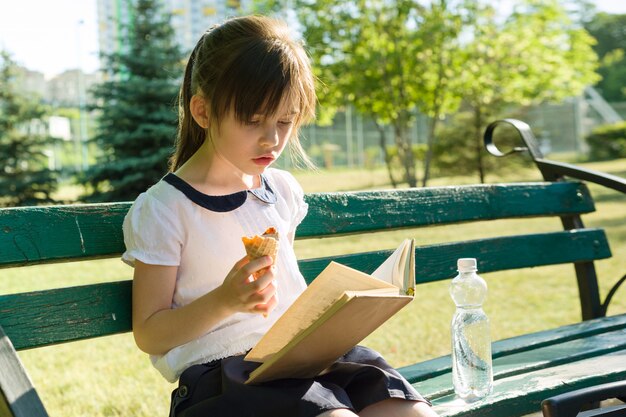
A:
(242, 293)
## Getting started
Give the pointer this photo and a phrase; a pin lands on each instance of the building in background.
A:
(71, 88)
(190, 19)
(32, 82)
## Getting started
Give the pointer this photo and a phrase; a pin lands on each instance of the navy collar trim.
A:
(222, 203)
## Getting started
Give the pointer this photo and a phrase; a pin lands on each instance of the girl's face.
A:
(255, 144)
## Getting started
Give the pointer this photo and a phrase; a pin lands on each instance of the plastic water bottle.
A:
(472, 372)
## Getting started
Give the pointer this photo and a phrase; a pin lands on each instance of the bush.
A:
(458, 150)
(607, 142)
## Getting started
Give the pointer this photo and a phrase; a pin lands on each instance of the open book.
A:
(337, 311)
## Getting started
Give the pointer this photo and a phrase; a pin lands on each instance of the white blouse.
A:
(173, 224)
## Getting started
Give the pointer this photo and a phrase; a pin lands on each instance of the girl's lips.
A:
(263, 161)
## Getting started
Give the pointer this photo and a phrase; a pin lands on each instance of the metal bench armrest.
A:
(551, 170)
(570, 403)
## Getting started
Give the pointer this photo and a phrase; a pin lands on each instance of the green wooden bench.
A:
(527, 369)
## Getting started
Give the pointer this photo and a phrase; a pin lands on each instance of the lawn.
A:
(111, 377)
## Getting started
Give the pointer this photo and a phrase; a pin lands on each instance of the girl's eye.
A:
(285, 122)
(254, 122)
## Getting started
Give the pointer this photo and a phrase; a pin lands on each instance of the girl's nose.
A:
(270, 136)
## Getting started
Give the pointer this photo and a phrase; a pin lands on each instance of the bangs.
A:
(260, 79)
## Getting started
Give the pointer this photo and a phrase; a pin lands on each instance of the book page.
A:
(395, 268)
(409, 271)
(329, 286)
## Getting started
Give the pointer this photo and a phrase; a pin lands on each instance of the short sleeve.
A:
(152, 233)
(292, 191)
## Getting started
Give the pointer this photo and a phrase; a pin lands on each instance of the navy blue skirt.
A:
(356, 380)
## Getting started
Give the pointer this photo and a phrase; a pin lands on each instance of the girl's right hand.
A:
(244, 294)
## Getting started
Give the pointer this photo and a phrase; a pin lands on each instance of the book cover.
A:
(343, 305)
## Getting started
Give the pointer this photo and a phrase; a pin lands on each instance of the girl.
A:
(247, 88)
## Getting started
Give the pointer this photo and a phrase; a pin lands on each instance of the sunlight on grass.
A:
(109, 376)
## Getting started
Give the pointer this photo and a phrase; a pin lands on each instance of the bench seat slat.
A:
(31, 235)
(441, 365)
(542, 358)
(522, 394)
(438, 262)
(344, 213)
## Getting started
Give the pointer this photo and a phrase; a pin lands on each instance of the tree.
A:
(608, 30)
(138, 115)
(443, 67)
(536, 55)
(25, 178)
(386, 59)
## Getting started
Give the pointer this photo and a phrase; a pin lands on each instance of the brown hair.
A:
(247, 65)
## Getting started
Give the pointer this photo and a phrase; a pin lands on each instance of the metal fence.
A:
(353, 140)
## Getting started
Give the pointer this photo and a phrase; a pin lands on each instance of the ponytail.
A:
(190, 135)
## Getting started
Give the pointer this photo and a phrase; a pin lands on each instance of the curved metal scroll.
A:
(551, 170)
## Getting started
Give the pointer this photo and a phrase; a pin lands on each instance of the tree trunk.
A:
(383, 146)
(405, 153)
(430, 140)
(478, 123)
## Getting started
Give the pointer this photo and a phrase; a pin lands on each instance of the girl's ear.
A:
(199, 110)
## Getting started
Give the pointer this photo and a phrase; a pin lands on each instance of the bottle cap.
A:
(466, 264)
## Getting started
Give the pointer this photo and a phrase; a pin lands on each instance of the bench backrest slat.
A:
(438, 262)
(101, 309)
(35, 235)
(345, 213)
(72, 313)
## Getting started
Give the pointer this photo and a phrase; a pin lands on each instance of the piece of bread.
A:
(258, 246)
(266, 244)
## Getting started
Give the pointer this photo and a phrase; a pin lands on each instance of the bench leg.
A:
(18, 397)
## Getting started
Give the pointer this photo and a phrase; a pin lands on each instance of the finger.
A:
(264, 295)
(266, 308)
(264, 278)
(240, 263)
(256, 265)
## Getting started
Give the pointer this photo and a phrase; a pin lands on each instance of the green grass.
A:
(110, 377)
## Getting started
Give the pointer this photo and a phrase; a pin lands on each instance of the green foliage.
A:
(25, 178)
(385, 58)
(536, 55)
(607, 142)
(138, 115)
(458, 152)
(608, 30)
(391, 58)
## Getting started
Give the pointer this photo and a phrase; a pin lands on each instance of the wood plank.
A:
(65, 314)
(345, 213)
(522, 394)
(533, 360)
(103, 309)
(34, 235)
(18, 397)
(438, 262)
(441, 365)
